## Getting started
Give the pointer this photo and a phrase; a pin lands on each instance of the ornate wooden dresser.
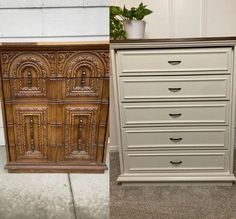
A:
(175, 107)
(55, 102)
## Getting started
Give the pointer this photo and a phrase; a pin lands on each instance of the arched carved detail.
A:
(83, 72)
(28, 71)
(68, 62)
(44, 62)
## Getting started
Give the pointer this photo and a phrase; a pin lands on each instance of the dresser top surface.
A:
(173, 42)
(85, 45)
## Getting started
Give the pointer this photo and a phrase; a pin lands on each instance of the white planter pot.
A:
(135, 29)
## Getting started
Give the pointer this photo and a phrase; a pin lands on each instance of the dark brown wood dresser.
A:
(55, 102)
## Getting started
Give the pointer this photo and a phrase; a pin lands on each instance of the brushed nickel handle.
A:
(29, 79)
(174, 62)
(32, 133)
(174, 89)
(176, 139)
(176, 163)
(175, 115)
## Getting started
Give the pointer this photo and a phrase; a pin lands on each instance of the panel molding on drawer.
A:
(146, 161)
(180, 61)
(191, 113)
(181, 87)
(175, 138)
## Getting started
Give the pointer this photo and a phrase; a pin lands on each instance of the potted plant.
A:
(116, 24)
(134, 25)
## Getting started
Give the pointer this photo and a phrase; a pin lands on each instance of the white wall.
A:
(52, 20)
(182, 18)
(188, 18)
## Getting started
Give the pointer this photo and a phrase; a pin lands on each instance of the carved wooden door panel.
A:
(31, 133)
(80, 132)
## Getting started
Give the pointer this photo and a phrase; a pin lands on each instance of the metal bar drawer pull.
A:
(174, 89)
(176, 163)
(176, 139)
(175, 115)
(174, 62)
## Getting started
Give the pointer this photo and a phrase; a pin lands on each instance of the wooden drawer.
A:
(25, 64)
(181, 87)
(175, 61)
(212, 137)
(191, 113)
(83, 64)
(150, 162)
(24, 88)
(85, 88)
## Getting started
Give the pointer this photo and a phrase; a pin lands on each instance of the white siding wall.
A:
(52, 20)
(182, 18)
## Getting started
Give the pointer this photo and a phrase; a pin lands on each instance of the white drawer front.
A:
(181, 87)
(151, 114)
(175, 60)
(175, 137)
(146, 161)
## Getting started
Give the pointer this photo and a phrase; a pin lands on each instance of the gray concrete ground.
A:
(53, 196)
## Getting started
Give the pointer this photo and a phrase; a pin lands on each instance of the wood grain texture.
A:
(203, 39)
(55, 104)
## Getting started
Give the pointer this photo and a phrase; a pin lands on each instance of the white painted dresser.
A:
(175, 107)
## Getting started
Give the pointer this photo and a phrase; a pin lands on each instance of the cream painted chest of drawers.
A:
(175, 107)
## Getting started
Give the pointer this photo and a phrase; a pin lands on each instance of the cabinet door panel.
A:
(31, 137)
(80, 131)
(31, 133)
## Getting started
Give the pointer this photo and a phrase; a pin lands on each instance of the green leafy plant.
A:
(118, 15)
(116, 24)
(136, 13)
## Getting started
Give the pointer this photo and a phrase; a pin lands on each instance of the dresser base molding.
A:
(17, 168)
(178, 180)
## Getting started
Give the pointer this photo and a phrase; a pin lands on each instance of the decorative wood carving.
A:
(31, 131)
(80, 130)
(106, 57)
(55, 97)
(83, 71)
(17, 64)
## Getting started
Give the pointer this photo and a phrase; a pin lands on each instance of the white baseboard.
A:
(113, 148)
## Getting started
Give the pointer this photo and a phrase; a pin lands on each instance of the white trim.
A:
(113, 148)
(171, 11)
(203, 18)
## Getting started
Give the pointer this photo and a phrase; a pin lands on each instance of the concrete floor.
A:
(49, 196)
